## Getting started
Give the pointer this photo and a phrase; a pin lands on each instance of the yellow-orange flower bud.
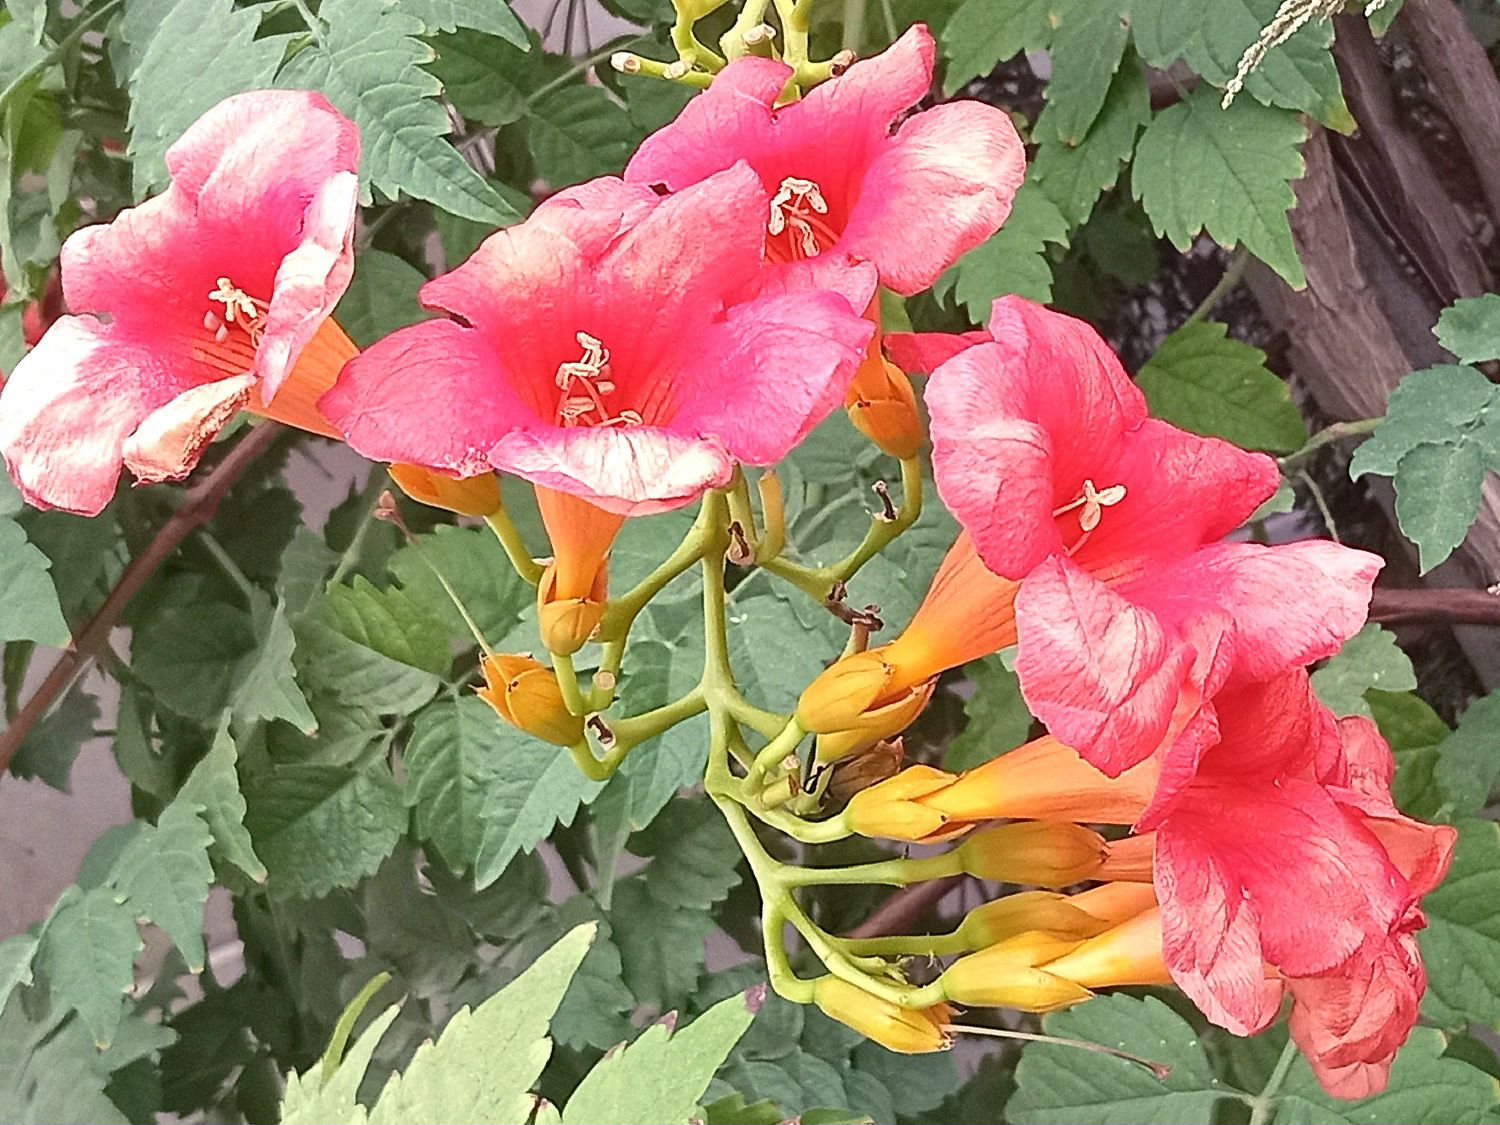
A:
(1114, 903)
(471, 496)
(1040, 911)
(525, 694)
(1130, 953)
(1006, 975)
(893, 810)
(911, 1031)
(851, 705)
(1042, 853)
(1129, 860)
(566, 624)
(883, 407)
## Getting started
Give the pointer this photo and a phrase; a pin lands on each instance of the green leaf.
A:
(1299, 74)
(1087, 46)
(458, 752)
(317, 1097)
(188, 652)
(1461, 944)
(490, 17)
(87, 956)
(1066, 1086)
(50, 748)
(319, 827)
(382, 297)
(661, 948)
(1425, 1088)
(370, 66)
(982, 33)
(1074, 175)
(267, 679)
(214, 787)
(1203, 380)
(998, 718)
(48, 1072)
(661, 1076)
(484, 1064)
(1369, 659)
(474, 564)
(694, 857)
(1414, 731)
(1468, 762)
(16, 955)
(29, 609)
(1437, 405)
(392, 624)
(1470, 328)
(488, 82)
(164, 875)
(1227, 171)
(1437, 497)
(576, 133)
(1013, 260)
(200, 54)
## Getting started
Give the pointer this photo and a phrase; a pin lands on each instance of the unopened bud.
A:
(1130, 953)
(911, 1031)
(566, 624)
(625, 62)
(1040, 911)
(851, 705)
(471, 496)
(1129, 860)
(893, 810)
(858, 772)
(882, 405)
(525, 693)
(1041, 853)
(1006, 976)
(1113, 903)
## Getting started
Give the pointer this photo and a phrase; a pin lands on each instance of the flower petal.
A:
(921, 353)
(168, 443)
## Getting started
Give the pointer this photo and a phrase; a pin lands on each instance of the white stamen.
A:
(1093, 501)
(794, 203)
(584, 384)
(240, 309)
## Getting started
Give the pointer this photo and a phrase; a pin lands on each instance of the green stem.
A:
(85, 24)
(230, 568)
(774, 753)
(595, 769)
(636, 729)
(1232, 274)
(510, 539)
(1339, 431)
(732, 42)
(892, 872)
(567, 680)
(350, 558)
(908, 945)
(1263, 1105)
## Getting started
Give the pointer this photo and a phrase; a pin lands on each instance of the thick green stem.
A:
(892, 872)
(638, 728)
(567, 680)
(905, 945)
(1263, 1105)
(1339, 431)
(515, 550)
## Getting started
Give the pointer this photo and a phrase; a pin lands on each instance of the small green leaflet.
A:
(1470, 328)
(1205, 381)
(214, 787)
(982, 33)
(1440, 435)
(164, 875)
(661, 1076)
(1468, 760)
(1369, 659)
(368, 63)
(1013, 260)
(490, 17)
(1087, 47)
(87, 956)
(1461, 944)
(576, 133)
(29, 609)
(998, 718)
(382, 297)
(1074, 176)
(1227, 171)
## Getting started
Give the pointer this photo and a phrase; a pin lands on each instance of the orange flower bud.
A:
(1041, 911)
(883, 407)
(566, 624)
(472, 496)
(1043, 853)
(1006, 976)
(851, 705)
(893, 810)
(1130, 953)
(911, 1031)
(1129, 860)
(1116, 902)
(525, 694)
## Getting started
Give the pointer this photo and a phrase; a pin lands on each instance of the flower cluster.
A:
(636, 341)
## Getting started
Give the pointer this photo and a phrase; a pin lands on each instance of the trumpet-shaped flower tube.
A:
(212, 296)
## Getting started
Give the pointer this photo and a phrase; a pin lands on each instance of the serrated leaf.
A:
(382, 297)
(1299, 74)
(1066, 1086)
(1470, 328)
(1468, 761)
(661, 1076)
(369, 65)
(1461, 944)
(488, 82)
(268, 686)
(392, 624)
(50, 748)
(164, 875)
(29, 609)
(1074, 176)
(1414, 731)
(1203, 380)
(490, 17)
(1436, 405)
(1369, 659)
(1087, 46)
(980, 34)
(48, 1072)
(661, 949)
(537, 789)
(997, 714)
(1227, 171)
(214, 787)
(200, 53)
(473, 563)
(188, 652)
(1437, 497)
(16, 955)
(320, 827)
(1013, 260)
(87, 955)
(576, 133)
(484, 1064)
(458, 752)
(694, 857)
(315, 1098)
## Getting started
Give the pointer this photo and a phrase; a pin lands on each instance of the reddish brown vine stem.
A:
(899, 913)
(1457, 606)
(197, 508)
